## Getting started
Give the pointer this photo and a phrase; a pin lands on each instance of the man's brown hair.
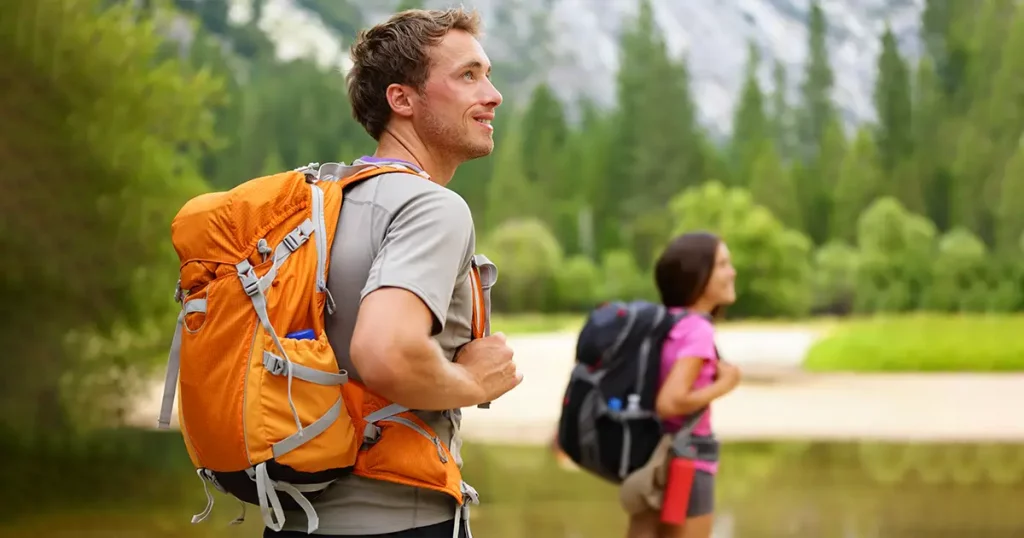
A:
(397, 52)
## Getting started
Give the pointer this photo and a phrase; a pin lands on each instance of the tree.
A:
(511, 194)
(544, 135)
(894, 132)
(957, 276)
(1010, 209)
(772, 262)
(781, 115)
(750, 123)
(657, 134)
(106, 133)
(860, 182)
(817, 110)
(528, 258)
(897, 250)
(834, 280)
(772, 186)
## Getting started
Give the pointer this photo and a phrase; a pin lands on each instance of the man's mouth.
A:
(485, 120)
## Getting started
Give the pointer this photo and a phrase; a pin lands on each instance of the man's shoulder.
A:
(395, 191)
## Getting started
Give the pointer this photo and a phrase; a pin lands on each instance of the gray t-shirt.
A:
(404, 231)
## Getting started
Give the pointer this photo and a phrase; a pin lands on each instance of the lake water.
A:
(135, 484)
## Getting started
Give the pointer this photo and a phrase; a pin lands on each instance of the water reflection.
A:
(140, 485)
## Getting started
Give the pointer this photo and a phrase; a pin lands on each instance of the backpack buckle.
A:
(291, 242)
(371, 434)
(250, 283)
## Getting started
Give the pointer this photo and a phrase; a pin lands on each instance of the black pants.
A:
(440, 530)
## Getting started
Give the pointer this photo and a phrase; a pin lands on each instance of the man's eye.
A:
(468, 75)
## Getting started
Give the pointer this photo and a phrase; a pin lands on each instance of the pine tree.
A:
(772, 186)
(894, 132)
(859, 183)
(751, 128)
(510, 193)
(1010, 208)
(816, 90)
(658, 144)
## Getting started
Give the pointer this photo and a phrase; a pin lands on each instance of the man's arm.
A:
(405, 302)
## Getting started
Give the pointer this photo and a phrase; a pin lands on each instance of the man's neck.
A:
(391, 147)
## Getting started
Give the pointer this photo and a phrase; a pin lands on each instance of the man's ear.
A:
(400, 98)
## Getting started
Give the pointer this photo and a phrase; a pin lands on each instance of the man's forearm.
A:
(421, 377)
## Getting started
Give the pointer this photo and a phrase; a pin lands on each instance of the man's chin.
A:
(478, 151)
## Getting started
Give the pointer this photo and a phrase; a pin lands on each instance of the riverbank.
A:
(777, 399)
(810, 407)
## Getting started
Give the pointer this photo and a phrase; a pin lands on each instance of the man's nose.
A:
(493, 96)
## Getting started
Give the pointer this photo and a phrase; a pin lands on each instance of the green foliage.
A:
(528, 258)
(102, 134)
(922, 342)
(535, 322)
(760, 245)
(622, 279)
(116, 112)
(579, 281)
(897, 249)
(834, 281)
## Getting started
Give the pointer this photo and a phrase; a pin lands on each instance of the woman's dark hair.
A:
(684, 267)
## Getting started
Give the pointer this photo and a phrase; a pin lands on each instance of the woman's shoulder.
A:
(691, 324)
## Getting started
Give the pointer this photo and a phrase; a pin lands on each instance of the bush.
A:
(579, 282)
(922, 342)
(773, 262)
(528, 258)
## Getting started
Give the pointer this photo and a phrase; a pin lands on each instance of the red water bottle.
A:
(678, 484)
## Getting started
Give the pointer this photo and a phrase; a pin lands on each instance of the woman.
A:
(694, 273)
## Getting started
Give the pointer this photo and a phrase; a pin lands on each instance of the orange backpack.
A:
(263, 407)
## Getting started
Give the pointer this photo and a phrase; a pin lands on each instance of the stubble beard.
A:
(452, 140)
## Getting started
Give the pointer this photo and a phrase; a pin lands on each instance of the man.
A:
(399, 270)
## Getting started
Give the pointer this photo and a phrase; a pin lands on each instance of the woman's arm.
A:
(677, 396)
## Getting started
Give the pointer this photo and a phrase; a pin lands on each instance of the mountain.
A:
(573, 45)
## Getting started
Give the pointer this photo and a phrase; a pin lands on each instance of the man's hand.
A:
(489, 361)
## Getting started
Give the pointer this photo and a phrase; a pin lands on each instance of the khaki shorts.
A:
(643, 490)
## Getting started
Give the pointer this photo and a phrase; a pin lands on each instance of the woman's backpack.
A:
(608, 424)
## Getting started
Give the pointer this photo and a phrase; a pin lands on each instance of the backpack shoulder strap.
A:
(482, 274)
(681, 440)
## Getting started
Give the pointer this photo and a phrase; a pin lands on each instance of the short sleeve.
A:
(693, 336)
(424, 250)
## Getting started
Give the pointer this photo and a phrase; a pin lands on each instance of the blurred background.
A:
(862, 159)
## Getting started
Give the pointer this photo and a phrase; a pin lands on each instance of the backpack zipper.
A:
(433, 438)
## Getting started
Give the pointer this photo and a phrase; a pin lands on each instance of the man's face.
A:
(453, 116)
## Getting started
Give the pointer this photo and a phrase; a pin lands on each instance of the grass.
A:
(539, 323)
(918, 342)
(536, 323)
(922, 343)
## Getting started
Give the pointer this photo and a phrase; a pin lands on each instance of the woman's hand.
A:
(728, 375)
